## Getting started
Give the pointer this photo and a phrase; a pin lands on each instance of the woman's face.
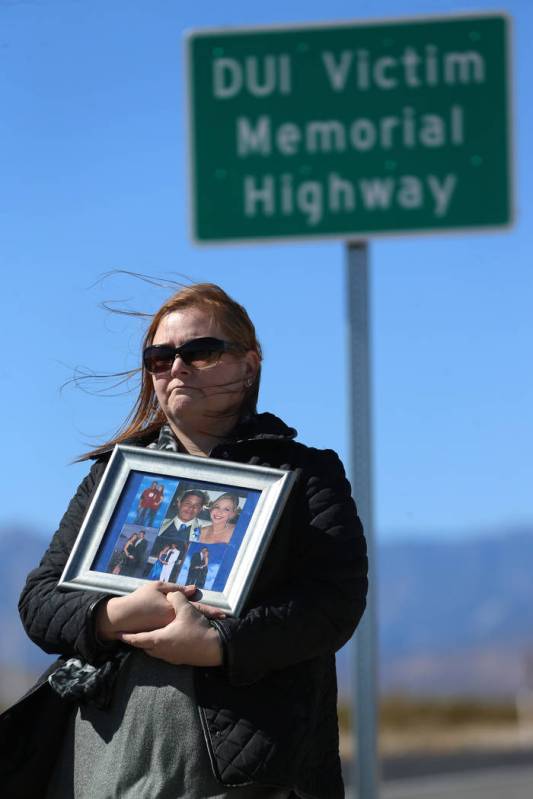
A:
(222, 511)
(196, 396)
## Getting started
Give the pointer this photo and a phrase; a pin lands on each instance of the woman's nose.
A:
(178, 366)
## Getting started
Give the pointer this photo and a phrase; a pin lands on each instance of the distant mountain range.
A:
(20, 660)
(455, 615)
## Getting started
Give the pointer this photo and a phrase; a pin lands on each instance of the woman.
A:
(125, 556)
(224, 708)
(155, 571)
(221, 528)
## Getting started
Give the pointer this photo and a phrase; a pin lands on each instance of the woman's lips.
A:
(183, 388)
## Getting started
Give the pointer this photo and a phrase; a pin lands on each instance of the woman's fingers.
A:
(209, 611)
(178, 599)
(170, 588)
(188, 590)
(144, 641)
(189, 638)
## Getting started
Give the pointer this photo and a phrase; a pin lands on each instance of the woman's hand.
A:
(188, 639)
(147, 608)
(144, 609)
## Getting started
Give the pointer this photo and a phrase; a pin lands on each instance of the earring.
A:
(248, 382)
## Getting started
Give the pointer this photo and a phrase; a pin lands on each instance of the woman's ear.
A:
(251, 365)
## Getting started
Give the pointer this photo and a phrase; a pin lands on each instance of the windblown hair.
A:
(146, 416)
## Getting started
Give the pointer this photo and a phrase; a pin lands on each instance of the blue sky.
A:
(94, 178)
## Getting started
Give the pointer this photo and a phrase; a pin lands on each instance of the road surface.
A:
(468, 775)
(501, 783)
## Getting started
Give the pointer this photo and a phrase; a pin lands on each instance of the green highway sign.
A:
(350, 130)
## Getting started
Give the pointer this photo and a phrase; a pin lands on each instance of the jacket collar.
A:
(252, 427)
(261, 426)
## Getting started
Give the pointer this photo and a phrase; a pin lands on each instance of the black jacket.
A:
(269, 714)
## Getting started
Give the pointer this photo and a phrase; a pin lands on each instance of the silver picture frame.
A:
(227, 560)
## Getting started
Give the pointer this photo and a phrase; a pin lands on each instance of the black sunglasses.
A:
(200, 353)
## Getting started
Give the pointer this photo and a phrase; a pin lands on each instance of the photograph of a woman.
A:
(122, 558)
(155, 571)
(135, 556)
(195, 685)
(223, 514)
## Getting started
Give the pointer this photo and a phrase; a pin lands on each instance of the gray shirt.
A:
(148, 744)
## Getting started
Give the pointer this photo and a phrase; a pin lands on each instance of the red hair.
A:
(146, 416)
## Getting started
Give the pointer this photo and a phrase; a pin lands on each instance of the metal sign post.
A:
(365, 680)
